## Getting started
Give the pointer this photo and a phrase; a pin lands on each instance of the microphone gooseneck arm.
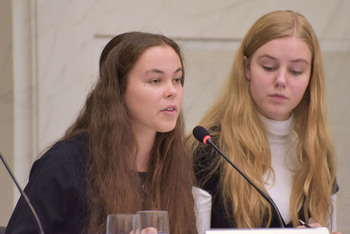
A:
(203, 136)
(23, 195)
(267, 198)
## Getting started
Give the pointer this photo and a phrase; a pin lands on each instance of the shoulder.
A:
(335, 186)
(207, 167)
(205, 154)
(71, 149)
(65, 158)
(56, 188)
(67, 148)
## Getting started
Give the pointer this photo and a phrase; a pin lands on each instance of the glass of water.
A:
(121, 224)
(153, 221)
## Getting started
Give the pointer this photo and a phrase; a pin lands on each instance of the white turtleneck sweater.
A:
(282, 139)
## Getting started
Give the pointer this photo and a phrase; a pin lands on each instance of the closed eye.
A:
(266, 68)
(296, 73)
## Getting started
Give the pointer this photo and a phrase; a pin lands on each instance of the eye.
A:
(268, 68)
(295, 73)
(155, 81)
(177, 80)
(298, 68)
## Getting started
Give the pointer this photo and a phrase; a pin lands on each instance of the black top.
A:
(56, 189)
(204, 155)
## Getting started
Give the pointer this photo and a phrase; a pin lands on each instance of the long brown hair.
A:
(113, 185)
(242, 136)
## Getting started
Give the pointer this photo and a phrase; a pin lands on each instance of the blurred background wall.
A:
(49, 53)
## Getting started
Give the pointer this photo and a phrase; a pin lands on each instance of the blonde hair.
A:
(242, 137)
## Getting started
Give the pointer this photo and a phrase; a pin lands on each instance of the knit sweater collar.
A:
(278, 127)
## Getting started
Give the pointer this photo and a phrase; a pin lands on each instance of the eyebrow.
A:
(273, 58)
(155, 70)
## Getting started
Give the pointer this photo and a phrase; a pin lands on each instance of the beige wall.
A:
(6, 108)
(56, 44)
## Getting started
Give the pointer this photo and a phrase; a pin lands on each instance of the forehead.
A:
(288, 48)
(157, 60)
(158, 56)
(157, 50)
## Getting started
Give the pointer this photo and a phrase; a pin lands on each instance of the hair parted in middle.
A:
(240, 133)
(113, 184)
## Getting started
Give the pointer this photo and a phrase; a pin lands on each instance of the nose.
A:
(170, 89)
(281, 79)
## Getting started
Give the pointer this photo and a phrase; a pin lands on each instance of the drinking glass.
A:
(120, 223)
(153, 221)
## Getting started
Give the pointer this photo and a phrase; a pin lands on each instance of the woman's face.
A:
(154, 91)
(279, 73)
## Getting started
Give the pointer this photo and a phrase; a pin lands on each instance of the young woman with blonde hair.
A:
(271, 121)
(124, 152)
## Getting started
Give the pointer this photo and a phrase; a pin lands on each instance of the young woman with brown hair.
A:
(124, 152)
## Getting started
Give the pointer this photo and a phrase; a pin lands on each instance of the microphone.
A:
(203, 136)
(23, 195)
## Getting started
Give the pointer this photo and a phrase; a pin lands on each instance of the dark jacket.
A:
(57, 191)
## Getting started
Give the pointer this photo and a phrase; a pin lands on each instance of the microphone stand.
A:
(23, 195)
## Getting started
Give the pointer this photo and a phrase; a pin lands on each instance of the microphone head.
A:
(201, 134)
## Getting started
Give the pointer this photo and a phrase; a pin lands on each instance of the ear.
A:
(246, 67)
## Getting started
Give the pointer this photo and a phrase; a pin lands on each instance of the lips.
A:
(278, 96)
(170, 111)
(170, 108)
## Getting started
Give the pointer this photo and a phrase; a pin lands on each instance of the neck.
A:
(145, 143)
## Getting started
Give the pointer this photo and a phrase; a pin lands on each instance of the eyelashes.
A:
(294, 72)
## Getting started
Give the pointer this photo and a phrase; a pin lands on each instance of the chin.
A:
(167, 128)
